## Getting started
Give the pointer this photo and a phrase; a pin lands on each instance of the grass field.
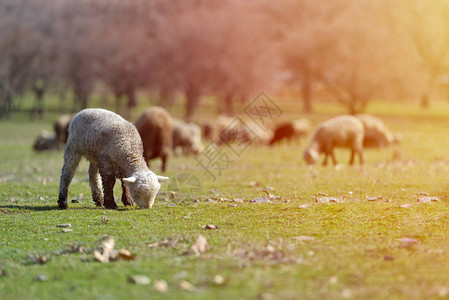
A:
(284, 249)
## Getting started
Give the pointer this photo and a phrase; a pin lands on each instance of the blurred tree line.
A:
(354, 50)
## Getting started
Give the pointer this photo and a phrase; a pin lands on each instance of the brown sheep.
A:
(155, 127)
(61, 127)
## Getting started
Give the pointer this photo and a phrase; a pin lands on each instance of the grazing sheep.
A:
(114, 149)
(61, 127)
(377, 134)
(291, 130)
(342, 131)
(208, 130)
(155, 127)
(45, 141)
(240, 131)
(186, 137)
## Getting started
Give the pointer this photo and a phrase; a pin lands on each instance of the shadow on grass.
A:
(55, 207)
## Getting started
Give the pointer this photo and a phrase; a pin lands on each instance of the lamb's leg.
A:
(164, 162)
(108, 180)
(126, 197)
(333, 158)
(351, 161)
(95, 184)
(360, 153)
(325, 159)
(71, 161)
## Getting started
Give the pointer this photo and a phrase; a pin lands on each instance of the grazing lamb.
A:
(61, 127)
(114, 149)
(291, 130)
(155, 127)
(186, 137)
(377, 134)
(45, 141)
(342, 131)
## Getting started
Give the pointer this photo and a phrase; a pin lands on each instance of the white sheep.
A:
(186, 137)
(114, 149)
(376, 132)
(342, 131)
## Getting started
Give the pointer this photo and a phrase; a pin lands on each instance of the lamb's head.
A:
(311, 156)
(143, 187)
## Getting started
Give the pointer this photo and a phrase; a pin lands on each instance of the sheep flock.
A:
(118, 149)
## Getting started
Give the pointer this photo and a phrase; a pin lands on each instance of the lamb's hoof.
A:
(110, 206)
(127, 202)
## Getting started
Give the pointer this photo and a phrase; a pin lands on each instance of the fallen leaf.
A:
(78, 198)
(374, 198)
(174, 195)
(304, 206)
(210, 226)
(322, 194)
(66, 230)
(329, 199)
(260, 200)
(200, 246)
(104, 220)
(423, 194)
(407, 242)
(140, 279)
(218, 279)
(346, 293)
(303, 238)
(64, 225)
(210, 200)
(164, 243)
(105, 251)
(187, 286)
(160, 286)
(99, 256)
(333, 280)
(254, 184)
(41, 277)
(126, 255)
(39, 259)
(408, 205)
(238, 200)
(443, 291)
(427, 199)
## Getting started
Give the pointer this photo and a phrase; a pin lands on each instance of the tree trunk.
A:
(229, 108)
(192, 102)
(132, 102)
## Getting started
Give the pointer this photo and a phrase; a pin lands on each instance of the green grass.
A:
(355, 254)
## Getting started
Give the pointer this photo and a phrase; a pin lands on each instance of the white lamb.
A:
(114, 149)
(342, 131)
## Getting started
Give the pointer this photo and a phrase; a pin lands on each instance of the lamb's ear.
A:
(130, 180)
(162, 178)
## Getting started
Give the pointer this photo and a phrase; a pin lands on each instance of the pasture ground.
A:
(278, 250)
